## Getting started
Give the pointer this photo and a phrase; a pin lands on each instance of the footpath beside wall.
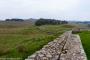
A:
(66, 47)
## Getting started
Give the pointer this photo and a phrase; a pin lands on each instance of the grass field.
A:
(85, 38)
(21, 41)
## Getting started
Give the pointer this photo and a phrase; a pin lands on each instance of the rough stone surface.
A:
(66, 47)
(74, 49)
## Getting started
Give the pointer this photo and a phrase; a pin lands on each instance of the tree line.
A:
(41, 21)
(14, 20)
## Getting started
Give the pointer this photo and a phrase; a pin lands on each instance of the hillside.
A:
(21, 41)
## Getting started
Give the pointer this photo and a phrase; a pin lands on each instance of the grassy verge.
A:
(19, 42)
(85, 38)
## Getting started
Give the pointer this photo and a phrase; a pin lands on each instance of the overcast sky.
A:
(55, 9)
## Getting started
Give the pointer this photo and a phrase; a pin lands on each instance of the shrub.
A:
(4, 51)
(75, 30)
(21, 49)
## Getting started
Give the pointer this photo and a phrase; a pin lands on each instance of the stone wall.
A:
(65, 47)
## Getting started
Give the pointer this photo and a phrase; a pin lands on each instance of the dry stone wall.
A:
(65, 47)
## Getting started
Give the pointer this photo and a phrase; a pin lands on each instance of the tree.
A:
(14, 20)
(41, 21)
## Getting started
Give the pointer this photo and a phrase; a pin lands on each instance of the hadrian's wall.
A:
(66, 47)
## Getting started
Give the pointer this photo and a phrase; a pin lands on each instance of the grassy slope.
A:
(19, 42)
(85, 37)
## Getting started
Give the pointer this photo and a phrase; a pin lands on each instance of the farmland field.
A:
(21, 41)
(85, 38)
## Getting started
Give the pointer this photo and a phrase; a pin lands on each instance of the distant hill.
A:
(17, 23)
(31, 20)
(80, 22)
(20, 22)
